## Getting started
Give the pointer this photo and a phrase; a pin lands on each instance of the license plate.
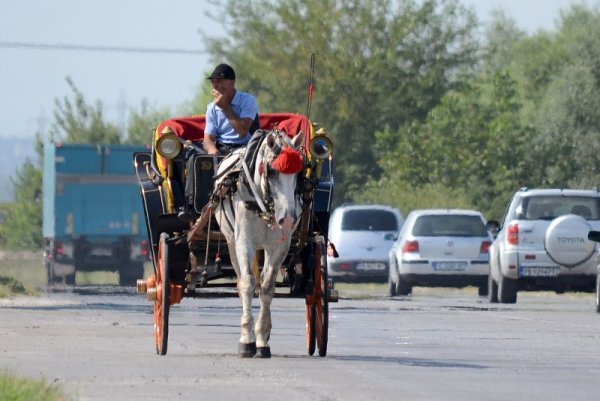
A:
(449, 266)
(101, 252)
(370, 266)
(538, 271)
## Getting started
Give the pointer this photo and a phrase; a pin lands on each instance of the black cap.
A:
(222, 71)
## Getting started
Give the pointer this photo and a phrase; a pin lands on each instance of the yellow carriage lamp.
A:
(168, 145)
(320, 146)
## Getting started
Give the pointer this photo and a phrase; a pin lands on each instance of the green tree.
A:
(142, 123)
(468, 152)
(76, 121)
(567, 147)
(23, 220)
(407, 197)
(566, 107)
(379, 65)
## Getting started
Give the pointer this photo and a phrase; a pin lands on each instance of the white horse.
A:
(269, 184)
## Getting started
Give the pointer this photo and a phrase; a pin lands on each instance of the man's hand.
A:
(209, 145)
(221, 99)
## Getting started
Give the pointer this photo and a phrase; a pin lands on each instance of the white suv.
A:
(543, 243)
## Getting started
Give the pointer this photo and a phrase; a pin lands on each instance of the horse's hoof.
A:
(263, 352)
(246, 350)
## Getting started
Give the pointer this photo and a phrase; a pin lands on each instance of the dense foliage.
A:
(22, 225)
(379, 65)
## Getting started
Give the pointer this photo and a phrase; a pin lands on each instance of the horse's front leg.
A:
(245, 286)
(247, 345)
(267, 292)
(263, 324)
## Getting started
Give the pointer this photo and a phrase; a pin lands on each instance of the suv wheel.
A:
(392, 286)
(598, 293)
(507, 290)
(492, 290)
(569, 253)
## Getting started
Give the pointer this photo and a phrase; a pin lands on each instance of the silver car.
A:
(440, 248)
(363, 236)
(543, 243)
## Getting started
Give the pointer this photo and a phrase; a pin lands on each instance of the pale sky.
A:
(30, 79)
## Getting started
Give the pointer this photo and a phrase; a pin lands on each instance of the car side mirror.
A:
(493, 227)
(594, 236)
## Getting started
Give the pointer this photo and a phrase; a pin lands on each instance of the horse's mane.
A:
(253, 146)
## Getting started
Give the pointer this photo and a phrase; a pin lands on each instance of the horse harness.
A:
(242, 173)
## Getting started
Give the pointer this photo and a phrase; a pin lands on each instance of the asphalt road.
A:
(447, 345)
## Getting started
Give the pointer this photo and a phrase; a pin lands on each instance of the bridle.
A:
(268, 165)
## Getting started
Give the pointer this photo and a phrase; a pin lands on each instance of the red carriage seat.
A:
(192, 128)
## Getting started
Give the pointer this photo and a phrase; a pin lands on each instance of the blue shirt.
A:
(244, 105)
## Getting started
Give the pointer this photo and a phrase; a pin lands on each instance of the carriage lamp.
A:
(320, 146)
(168, 146)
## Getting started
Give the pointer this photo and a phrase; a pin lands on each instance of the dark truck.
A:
(93, 218)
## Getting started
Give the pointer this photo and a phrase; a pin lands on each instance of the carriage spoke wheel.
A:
(161, 304)
(317, 310)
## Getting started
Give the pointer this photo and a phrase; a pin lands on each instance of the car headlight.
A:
(168, 146)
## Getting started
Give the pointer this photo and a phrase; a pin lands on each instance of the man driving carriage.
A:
(232, 117)
(275, 213)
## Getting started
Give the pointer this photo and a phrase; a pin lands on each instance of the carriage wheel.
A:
(161, 304)
(317, 310)
(311, 335)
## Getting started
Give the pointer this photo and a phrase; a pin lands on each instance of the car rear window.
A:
(451, 225)
(369, 220)
(550, 207)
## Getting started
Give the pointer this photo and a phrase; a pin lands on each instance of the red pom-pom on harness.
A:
(289, 161)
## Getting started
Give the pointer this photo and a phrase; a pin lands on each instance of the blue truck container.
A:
(93, 218)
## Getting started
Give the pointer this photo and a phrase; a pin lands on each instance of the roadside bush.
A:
(9, 287)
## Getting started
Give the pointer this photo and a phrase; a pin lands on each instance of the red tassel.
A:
(289, 161)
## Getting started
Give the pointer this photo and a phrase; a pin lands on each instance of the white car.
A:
(440, 248)
(543, 244)
(363, 236)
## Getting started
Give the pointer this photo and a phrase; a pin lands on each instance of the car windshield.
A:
(369, 220)
(550, 207)
(449, 225)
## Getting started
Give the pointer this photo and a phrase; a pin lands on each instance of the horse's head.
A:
(277, 166)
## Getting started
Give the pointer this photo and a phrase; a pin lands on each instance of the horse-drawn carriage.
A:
(256, 217)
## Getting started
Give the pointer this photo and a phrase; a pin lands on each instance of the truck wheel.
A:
(507, 290)
(52, 278)
(70, 279)
(129, 274)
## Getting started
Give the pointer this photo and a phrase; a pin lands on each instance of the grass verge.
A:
(20, 389)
